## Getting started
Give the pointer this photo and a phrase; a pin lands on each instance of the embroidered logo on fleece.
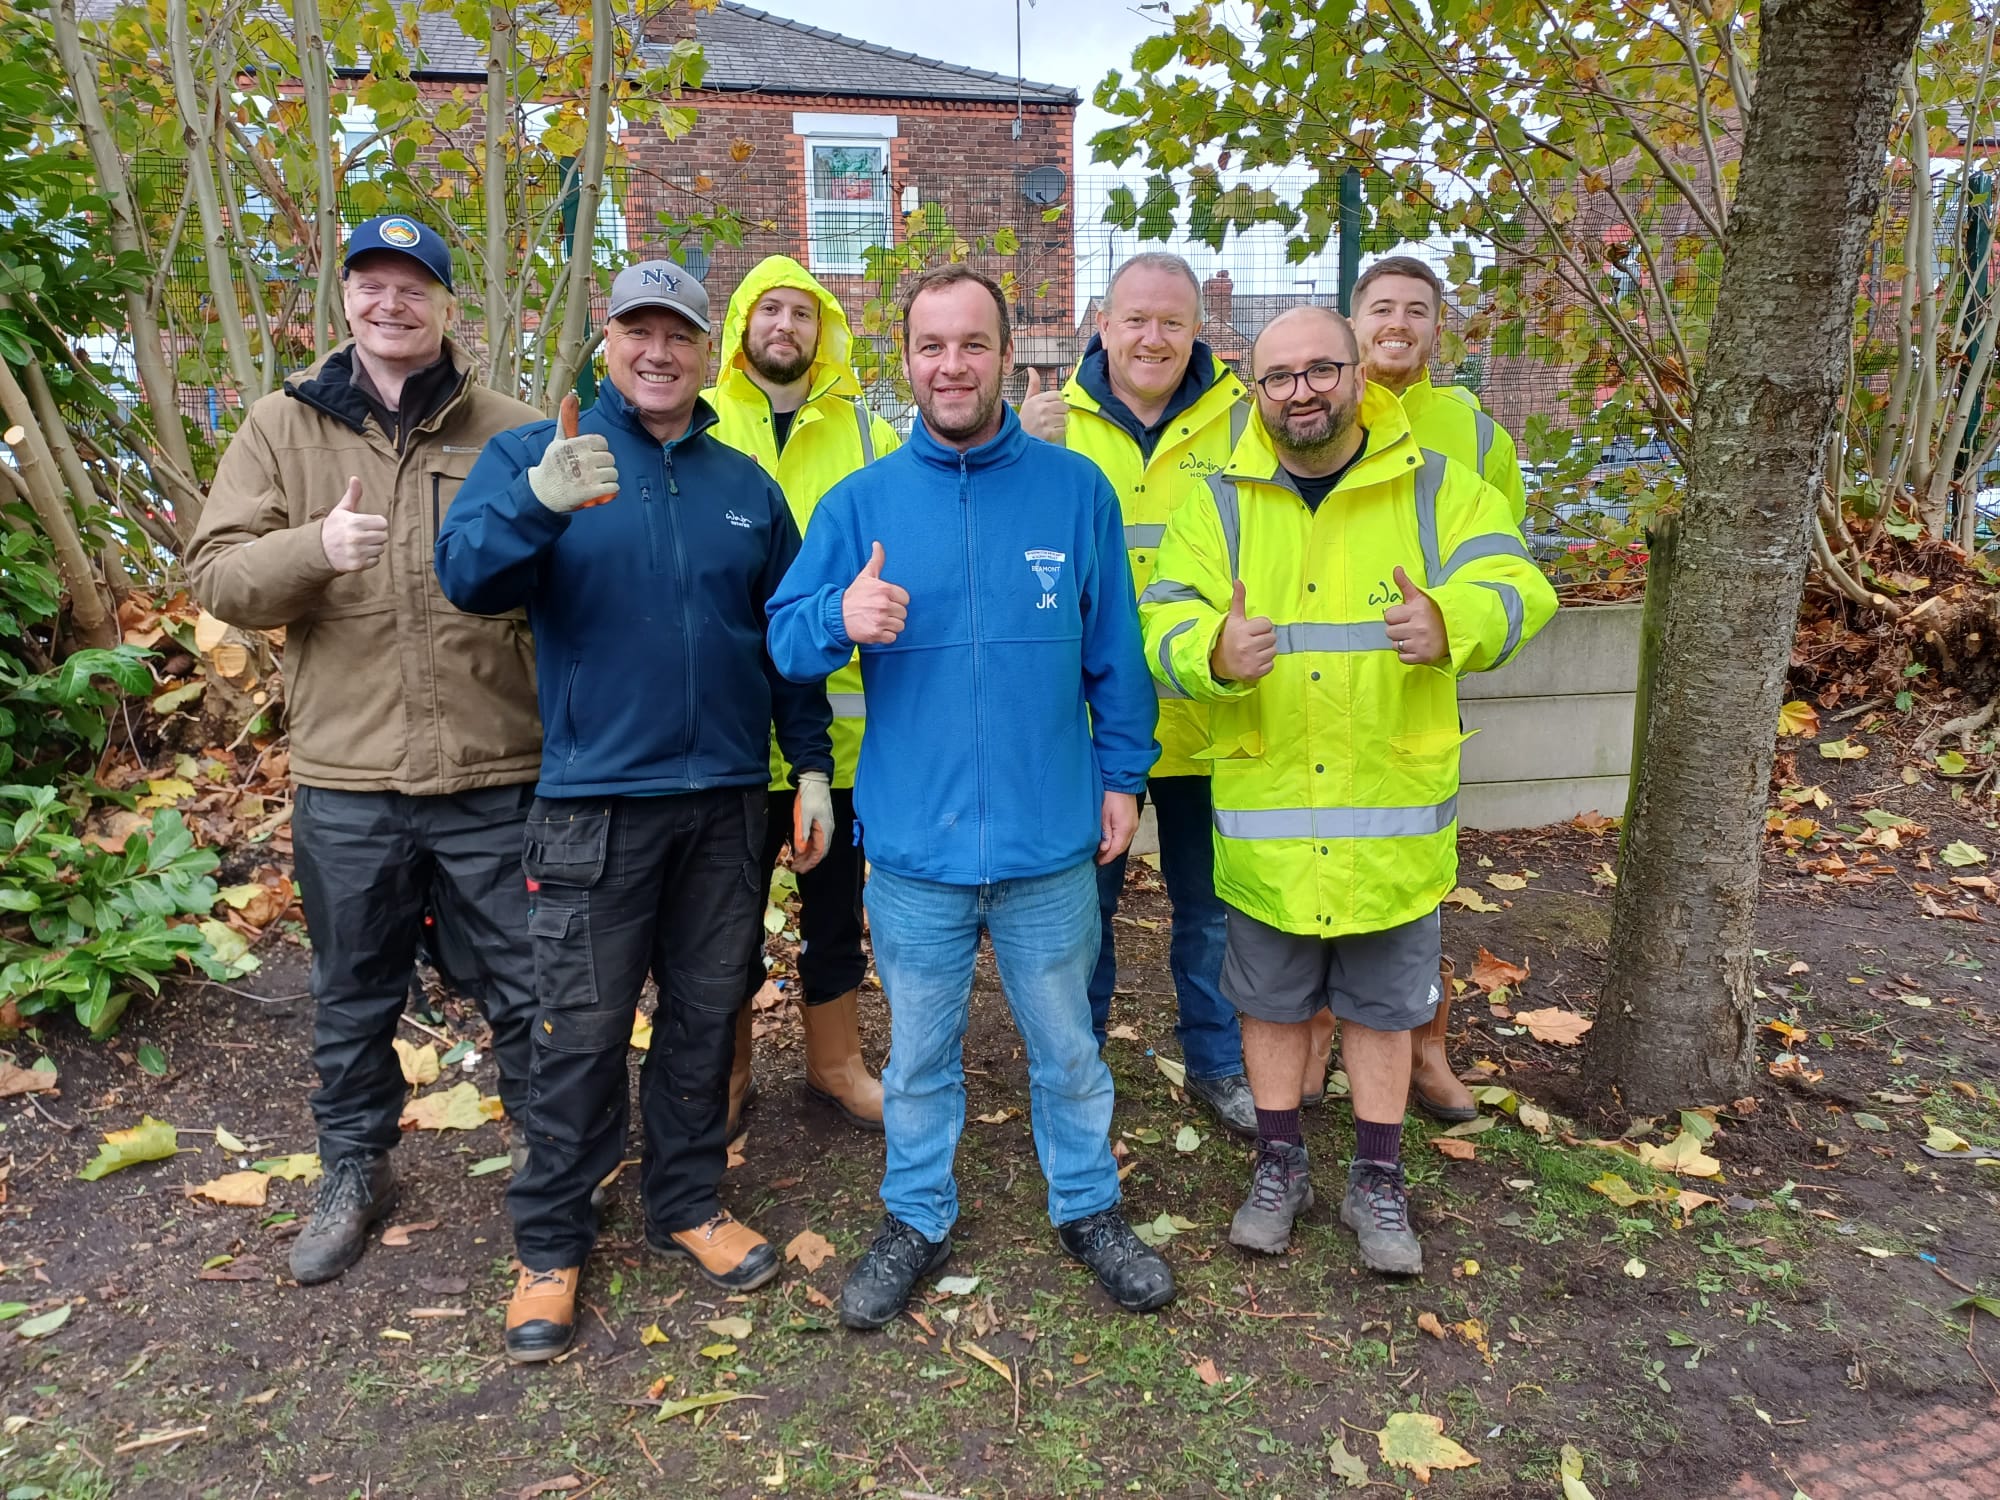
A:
(1047, 568)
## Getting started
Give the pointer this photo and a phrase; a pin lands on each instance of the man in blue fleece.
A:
(983, 576)
(644, 550)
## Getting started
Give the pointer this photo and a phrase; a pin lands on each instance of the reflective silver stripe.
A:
(848, 705)
(1370, 635)
(1335, 822)
(1167, 661)
(1510, 600)
(1493, 544)
(1144, 536)
(1430, 479)
(867, 426)
(1485, 427)
(1164, 690)
(1224, 490)
(1166, 591)
(1239, 419)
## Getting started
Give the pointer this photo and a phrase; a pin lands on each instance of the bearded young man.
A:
(1323, 594)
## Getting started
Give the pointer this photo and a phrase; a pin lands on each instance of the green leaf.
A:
(149, 1140)
(153, 1059)
(1988, 1305)
(489, 1164)
(1952, 763)
(1187, 1140)
(46, 1324)
(12, 1310)
(680, 1408)
(1905, 700)
(1959, 854)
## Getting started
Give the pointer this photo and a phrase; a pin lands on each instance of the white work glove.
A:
(575, 472)
(812, 820)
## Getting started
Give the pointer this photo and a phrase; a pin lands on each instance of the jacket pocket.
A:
(564, 857)
(485, 689)
(1235, 729)
(443, 474)
(1423, 767)
(344, 697)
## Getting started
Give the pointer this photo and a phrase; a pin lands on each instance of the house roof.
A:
(749, 49)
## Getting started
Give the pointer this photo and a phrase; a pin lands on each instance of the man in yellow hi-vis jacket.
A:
(1152, 406)
(788, 396)
(1324, 595)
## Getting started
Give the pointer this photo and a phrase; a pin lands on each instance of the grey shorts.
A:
(1386, 981)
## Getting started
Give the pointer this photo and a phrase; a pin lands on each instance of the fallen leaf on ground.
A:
(997, 1366)
(238, 1189)
(1501, 882)
(1187, 1139)
(1457, 1150)
(1958, 854)
(227, 1141)
(642, 1032)
(46, 1324)
(245, 1269)
(1414, 1441)
(488, 1164)
(1428, 1323)
(548, 1487)
(651, 1334)
(1842, 750)
(443, 1286)
(686, 1404)
(729, 1328)
(810, 1249)
(957, 1286)
(397, 1236)
(997, 1117)
(420, 1064)
(149, 1140)
(1619, 1191)
(1941, 1139)
(1157, 1232)
(735, 1157)
(1865, 1121)
(1204, 1369)
(1348, 1467)
(1470, 899)
(1122, 1034)
(717, 1351)
(1682, 1154)
(1564, 1028)
(301, 1166)
(1490, 973)
(1798, 719)
(1572, 1475)
(455, 1108)
(1478, 1125)
(1534, 1117)
(1786, 1032)
(1635, 1268)
(1174, 1072)
(15, 1080)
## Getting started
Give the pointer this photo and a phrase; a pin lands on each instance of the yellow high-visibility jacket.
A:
(1449, 420)
(832, 435)
(1197, 444)
(1336, 775)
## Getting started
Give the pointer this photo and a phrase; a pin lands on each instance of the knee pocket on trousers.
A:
(590, 1029)
(565, 962)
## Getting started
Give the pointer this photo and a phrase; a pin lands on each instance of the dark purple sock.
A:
(1280, 1125)
(1372, 1142)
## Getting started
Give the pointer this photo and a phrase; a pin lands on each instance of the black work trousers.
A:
(620, 887)
(830, 958)
(370, 866)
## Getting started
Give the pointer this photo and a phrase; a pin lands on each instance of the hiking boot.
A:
(1280, 1191)
(1135, 1274)
(357, 1193)
(879, 1286)
(1377, 1209)
(541, 1316)
(1319, 1060)
(1228, 1099)
(725, 1250)
(835, 1070)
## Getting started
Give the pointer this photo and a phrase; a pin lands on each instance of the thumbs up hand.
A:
(1045, 414)
(352, 539)
(1247, 646)
(1416, 626)
(873, 609)
(575, 472)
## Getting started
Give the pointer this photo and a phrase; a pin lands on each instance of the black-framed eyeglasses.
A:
(1323, 377)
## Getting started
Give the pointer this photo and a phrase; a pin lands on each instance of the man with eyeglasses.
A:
(414, 736)
(1323, 594)
(1151, 405)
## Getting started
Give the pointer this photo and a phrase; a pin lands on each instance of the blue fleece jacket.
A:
(1017, 693)
(648, 612)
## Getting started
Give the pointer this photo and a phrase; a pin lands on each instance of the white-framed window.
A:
(848, 203)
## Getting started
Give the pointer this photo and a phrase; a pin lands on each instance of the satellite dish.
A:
(1044, 185)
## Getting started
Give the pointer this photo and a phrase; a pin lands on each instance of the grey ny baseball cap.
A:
(659, 283)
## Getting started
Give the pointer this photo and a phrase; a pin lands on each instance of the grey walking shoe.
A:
(1228, 1099)
(357, 1193)
(1280, 1191)
(1377, 1209)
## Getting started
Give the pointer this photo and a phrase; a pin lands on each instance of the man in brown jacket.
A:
(415, 740)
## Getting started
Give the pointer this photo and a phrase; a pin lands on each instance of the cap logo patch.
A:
(654, 276)
(400, 233)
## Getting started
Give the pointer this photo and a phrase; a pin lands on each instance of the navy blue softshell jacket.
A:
(648, 612)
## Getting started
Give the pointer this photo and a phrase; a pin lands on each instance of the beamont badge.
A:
(1047, 568)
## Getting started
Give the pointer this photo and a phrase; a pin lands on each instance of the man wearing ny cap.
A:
(643, 550)
(414, 736)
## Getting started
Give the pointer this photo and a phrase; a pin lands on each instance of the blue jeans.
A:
(1211, 1042)
(926, 936)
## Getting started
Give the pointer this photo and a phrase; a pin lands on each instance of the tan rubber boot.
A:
(1434, 1087)
(541, 1316)
(834, 1069)
(1319, 1059)
(741, 1088)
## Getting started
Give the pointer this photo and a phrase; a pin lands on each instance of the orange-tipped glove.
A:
(812, 820)
(575, 472)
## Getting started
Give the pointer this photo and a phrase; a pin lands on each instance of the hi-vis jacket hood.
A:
(1336, 774)
(832, 435)
(1448, 419)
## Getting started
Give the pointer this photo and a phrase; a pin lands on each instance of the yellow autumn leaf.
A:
(149, 1140)
(642, 1033)
(1415, 1441)
(420, 1064)
(166, 792)
(1797, 719)
(997, 1366)
(1507, 882)
(1682, 1154)
(651, 1334)
(301, 1166)
(1941, 1139)
(1842, 750)
(456, 1108)
(237, 1189)
(1470, 899)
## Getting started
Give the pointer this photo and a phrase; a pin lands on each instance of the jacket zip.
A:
(568, 718)
(652, 524)
(972, 600)
(687, 618)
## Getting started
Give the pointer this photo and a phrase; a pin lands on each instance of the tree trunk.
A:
(581, 272)
(503, 332)
(309, 36)
(1675, 1025)
(94, 624)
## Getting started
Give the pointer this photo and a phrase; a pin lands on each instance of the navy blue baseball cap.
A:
(402, 235)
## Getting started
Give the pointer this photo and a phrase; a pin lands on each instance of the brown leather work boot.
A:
(541, 1316)
(834, 1069)
(1319, 1059)
(725, 1250)
(1435, 1088)
(742, 1089)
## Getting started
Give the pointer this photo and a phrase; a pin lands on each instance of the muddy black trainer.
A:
(879, 1286)
(1137, 1276)
(355, 1195)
